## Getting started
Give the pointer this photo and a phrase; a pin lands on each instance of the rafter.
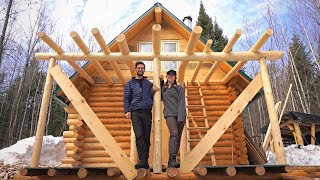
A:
(124, 49)
(191, 47)
(84, 48)
(205, 50)
(227, 49)
(255, 48)
(106, 50)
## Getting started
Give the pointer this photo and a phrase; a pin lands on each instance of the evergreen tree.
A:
(306, 72)
(211, 30)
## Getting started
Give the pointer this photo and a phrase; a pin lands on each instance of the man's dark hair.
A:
(139, 62)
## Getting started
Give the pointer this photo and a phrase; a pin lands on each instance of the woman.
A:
(175, 114)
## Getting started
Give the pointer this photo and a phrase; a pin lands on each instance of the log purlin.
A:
(164, 56)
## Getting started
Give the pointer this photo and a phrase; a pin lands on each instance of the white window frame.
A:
(162, 49)
(146, 62)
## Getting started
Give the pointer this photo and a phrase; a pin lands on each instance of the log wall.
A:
(83, 149)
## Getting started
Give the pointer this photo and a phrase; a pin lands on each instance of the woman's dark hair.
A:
(139, 62)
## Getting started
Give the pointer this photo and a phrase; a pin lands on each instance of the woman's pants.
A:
(175, 129)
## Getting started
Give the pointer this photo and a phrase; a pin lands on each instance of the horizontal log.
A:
(107, 94)
(32, 172)
(172, 172)
(200, 171)
(99, 164)
(99, 153)
(114, 126)
(113, 133)
(97, 160)
(113, 171)
(98, 146)
(107, 89)
(117, 138)
(218, 162)
(71, 134)
(70, 161)
(69, 140)
(74, 122)
(106, 104)
(163, 56)
(61, 172)
(104, 99)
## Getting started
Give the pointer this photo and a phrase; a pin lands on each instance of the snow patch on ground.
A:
(299, 155)
(21, 152)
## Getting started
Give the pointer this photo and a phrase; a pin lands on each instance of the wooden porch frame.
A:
(102, 134)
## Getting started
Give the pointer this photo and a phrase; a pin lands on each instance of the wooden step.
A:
(191, 128)
(196, 116)
(193, 86)
(194, 140)
(194, 96)
(188, 106)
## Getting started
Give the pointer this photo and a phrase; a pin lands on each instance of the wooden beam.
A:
(261, 41)
(164, 56)
(233, 72)
(124, 49)
(298, 133)
(50, 42)
(106, 50)
(191, 47)
(42, 116)
(158, 15)
(156, 42)
(157, 120)
(58, 50)
(184, 144)
(268, 134)
(198, 152)
(81, 71)
(100, 40)
(205, 50)
(94, 123)
(77, 39)
(102, 72)
(275, 129)
(313, 133)
(227, 49)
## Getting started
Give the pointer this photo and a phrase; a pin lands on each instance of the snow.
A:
(53, 151)
(299, 155)
(21, 152)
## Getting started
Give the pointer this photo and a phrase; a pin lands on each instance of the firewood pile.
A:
(8, 171)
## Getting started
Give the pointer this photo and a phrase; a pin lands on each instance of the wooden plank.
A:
(298, 133)
(275, 129)
(93, 122)
(42, 116)
(195, 156)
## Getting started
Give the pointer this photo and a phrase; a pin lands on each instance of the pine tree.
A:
(210, 30)
(306, 72)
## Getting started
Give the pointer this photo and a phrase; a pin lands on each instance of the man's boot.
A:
(173, 162)
(142, 164)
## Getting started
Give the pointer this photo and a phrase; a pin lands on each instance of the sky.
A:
(112, 17)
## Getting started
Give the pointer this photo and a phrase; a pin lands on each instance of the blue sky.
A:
(113, 16)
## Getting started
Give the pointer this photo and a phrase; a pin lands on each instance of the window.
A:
(169, 46)
(146, 47)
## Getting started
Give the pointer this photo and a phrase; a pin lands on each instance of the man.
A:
(138, 103)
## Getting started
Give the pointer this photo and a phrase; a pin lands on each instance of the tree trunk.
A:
(4, 29)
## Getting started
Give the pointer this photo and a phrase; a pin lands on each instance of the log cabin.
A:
(99, 135)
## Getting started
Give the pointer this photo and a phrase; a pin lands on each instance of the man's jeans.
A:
(141, 122)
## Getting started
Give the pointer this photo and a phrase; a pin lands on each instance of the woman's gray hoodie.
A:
(174, 102)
